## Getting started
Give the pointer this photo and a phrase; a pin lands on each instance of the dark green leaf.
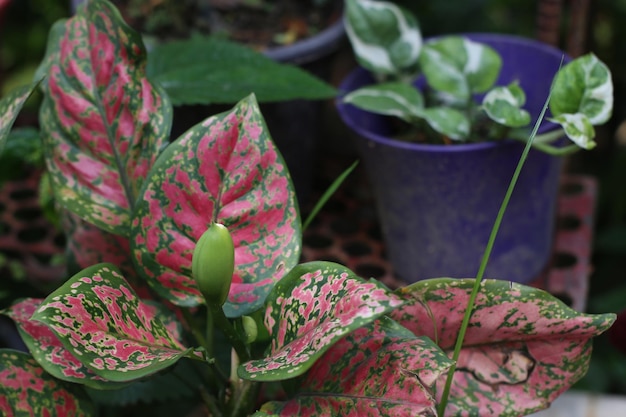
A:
(204, 70)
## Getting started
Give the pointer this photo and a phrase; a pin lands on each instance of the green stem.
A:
(222, 323)
(243, 400)
(557, 151)
(208, 346)
(193, 326)
(552, 150)
(548, 137)
(329, 192)
(211, 403)
(483, 264)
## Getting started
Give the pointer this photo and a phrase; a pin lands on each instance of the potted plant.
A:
(464, 103)
(191, 292)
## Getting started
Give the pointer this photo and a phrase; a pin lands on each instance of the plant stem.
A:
(548, 137)
(208, 346)
(193, 326)
(244, 398)
(485, 259)
(221, 321)
(556, 151)
(210, 401)
(328, 193)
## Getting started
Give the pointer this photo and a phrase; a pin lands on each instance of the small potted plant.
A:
(460, 107)
(190, 290)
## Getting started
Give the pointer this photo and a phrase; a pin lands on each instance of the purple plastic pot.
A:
(437, 204)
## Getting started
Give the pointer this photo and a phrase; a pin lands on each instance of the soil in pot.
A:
(261, 24)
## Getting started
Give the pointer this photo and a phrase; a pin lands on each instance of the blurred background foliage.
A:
(24, 25)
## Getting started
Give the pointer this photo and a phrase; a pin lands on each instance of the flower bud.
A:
(213, 264)
(249, 328)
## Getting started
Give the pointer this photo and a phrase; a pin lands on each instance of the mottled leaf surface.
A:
(27, 390)
(47, 349)
(391, 99)
(309, 310)
(10, 107)
(522, 349)
(225, 169)
(98, 317)
(583, 86)
(386, 39)
(578, 129)
(102, 121)
(503, 105)
(448, 121)
(582, 96)
(459, 67)
(378, 370)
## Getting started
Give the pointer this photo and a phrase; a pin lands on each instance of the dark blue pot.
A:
(437, 204)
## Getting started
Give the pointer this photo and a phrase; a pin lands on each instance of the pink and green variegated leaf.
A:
(98, 317)
(48, 350)
(225, 169)
(523, 347)
(27, 390)
(309, 310)
(103, 122)
(10, 107)
(379, 370)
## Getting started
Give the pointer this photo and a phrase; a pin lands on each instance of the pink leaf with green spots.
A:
(10, 107)
(523, 347)
(225, 169)
(103, 122)
(379, 370)
(309, 310)
(27, 390)
(48, 350)
(100, 320)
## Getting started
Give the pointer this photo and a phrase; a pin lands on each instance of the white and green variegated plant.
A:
(387, 41)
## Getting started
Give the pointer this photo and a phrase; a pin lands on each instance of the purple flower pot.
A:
(437, 204)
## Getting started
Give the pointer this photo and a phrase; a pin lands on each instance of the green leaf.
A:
(503, 105)
(226, 170)
(204, 70)
(448, 121)
(583, 86)
(523, 347)
(578, 129)
(27, 390)
(100, 320)
(10, 107)
(386, 38)
(22, 153)
(391, 99)
(309, 310)
(102, 122)
(460, 67)
(176, 383)
(378, 370)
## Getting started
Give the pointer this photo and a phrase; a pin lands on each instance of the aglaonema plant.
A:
(190, 291)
